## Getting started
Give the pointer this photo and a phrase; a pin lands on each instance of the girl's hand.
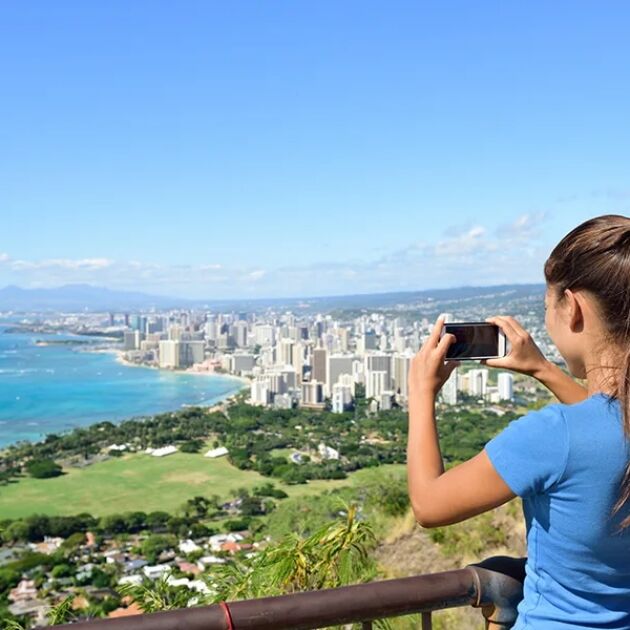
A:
(428, 371)
(525, 356)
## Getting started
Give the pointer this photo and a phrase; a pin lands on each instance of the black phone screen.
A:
(473, 340)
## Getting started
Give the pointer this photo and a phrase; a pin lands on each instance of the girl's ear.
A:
(574, 310)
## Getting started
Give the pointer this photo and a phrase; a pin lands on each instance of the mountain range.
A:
(86, 297)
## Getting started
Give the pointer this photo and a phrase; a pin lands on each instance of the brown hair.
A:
(595, 256)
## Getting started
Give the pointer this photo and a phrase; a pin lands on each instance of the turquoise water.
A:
(48, 389)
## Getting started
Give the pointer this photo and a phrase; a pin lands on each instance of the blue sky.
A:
(239, 149)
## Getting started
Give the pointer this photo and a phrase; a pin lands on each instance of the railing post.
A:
(427, 624)
(500, 589)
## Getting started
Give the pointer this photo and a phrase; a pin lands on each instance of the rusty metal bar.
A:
(500, 589)
(478, 585)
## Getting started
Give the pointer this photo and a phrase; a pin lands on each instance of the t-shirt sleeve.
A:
(531, 453)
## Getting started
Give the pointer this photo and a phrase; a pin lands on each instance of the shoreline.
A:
(216, 405)
(120, 358)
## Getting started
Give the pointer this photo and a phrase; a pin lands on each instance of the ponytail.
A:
(623, 395)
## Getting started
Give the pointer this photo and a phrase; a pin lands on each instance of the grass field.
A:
(139, 482)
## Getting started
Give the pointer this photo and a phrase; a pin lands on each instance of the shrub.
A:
(43, 468)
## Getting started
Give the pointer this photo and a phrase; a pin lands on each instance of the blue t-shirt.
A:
(567, 463)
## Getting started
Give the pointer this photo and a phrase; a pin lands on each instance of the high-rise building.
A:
(506, 386)
(312, 393)
(449, 389)
(264, 335)
(367, 341)
(347, 380)
(298, 361)
(338, 364)
(191, 352)
(289, 377)
(375, 383)
(341, 397)
(175, 332)
(478, 382)
(243, 363)
(131, 340)
(169, 353)
(260, 393)
(211, 330)
(153, 326)
(380, 362)
(240, 333)
(320, 365)
(284, 352)
(401, 362)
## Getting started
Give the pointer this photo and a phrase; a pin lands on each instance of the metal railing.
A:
(494, 585)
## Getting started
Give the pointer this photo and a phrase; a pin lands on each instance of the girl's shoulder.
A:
(598, 405)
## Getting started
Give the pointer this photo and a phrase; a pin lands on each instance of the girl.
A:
(569, 461)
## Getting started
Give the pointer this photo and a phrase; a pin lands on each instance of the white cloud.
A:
(465, 255)
(471, 240)
(210, 267)
(525, 226)
(90, 264)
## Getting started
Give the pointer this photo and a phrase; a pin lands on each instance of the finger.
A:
(444, 343)
(517, 326)
(434, 335)
(448, 368)
(493, 362)
(503, 323)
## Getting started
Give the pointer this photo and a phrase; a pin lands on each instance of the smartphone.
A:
(475, 340)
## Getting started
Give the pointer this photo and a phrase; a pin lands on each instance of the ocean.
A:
(49, 389)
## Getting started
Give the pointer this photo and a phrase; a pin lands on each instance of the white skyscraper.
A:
(401, 362)
(169, 354)
(284, 351)
(260, 393)
(375, 383)
(506, 386)
(347, 380)
(264, 335)
(240, 333)
(131, 339)
(211, 329)
(449, 389)
(243, 363)
(191, 352)
(338, 364)
(289, 377)
(298, 360)
(312, 393)
(380, 362)
(341, 397)
(478, 382)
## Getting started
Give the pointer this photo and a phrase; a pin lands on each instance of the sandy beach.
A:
(120, 358)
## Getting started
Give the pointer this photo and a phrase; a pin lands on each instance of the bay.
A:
(53, 388)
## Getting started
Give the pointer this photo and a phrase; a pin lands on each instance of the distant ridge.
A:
(80, 297)
(86, 297)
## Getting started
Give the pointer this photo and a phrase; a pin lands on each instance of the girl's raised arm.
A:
(525, 357)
